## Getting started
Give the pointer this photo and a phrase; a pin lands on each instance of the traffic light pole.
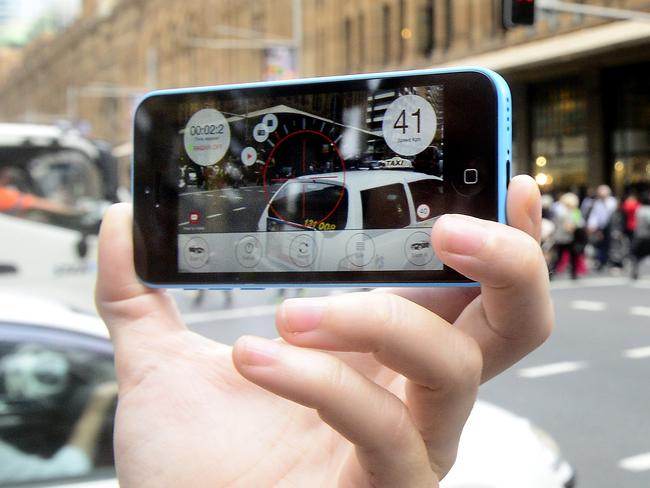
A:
(592, 10)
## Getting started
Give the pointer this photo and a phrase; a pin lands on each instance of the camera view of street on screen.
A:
(317, 182)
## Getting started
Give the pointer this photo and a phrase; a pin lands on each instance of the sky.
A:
(32, 9)
(18, 28)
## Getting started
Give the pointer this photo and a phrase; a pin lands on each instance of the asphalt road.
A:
(227, 210)
(588, 386)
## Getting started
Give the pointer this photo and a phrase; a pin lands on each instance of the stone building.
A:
(580, 82)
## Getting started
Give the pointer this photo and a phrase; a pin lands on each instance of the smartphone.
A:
(318, 182)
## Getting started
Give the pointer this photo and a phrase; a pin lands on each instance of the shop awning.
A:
(561, 48)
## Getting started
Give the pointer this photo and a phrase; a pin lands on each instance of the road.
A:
(228, 210)
(588, 386)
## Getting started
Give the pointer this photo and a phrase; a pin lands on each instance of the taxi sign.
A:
(396, 163)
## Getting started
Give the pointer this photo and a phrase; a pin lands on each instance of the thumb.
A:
(125, 304)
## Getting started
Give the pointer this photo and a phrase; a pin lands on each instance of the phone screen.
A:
(327, 180)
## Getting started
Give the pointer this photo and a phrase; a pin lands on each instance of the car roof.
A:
(35, 135)
(359, 180)
(29, 310)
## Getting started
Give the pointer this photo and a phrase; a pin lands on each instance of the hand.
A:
(103, 394)
(386, 405)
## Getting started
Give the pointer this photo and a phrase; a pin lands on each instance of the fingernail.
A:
(303, 314)
(259, 352)
(462, 235)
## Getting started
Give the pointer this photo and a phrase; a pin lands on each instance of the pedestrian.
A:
(548, 230)
(599, 224)
(365, 389)
(587, 203)
(629, 207)
(640, 247)
(569, 234)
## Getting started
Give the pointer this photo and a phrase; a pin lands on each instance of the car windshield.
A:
(63, 175)
(318, 205)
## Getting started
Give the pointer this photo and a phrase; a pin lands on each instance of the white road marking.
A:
(589, 283)
(552, 369)
(589, 306)
(183, 223)
(637, 463)
(194, 193)
(214, 216)
(232, 314)
(641, 311)
(637, 353)
(239, 209)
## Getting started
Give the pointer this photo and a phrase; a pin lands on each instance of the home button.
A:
(470, 176)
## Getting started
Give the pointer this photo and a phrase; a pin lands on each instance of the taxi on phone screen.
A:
(354, 220)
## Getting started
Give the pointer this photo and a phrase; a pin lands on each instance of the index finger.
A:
(524, 213)
(514, 313)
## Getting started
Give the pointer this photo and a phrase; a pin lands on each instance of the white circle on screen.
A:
(206, 137)
(409, 125)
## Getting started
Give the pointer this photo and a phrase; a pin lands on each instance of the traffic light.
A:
(518, 12)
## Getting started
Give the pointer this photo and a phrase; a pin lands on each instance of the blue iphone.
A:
(326, 181)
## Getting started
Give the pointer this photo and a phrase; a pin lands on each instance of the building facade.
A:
(581, 84)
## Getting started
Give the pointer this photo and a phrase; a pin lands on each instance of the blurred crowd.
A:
(600, 232)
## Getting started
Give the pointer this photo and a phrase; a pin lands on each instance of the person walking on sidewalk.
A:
(599, 223)
(641, 242)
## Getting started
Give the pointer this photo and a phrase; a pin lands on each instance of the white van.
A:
(43, 251)
(354, 220)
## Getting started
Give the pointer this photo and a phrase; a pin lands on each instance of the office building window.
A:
(498, 28)
(347, 34)
(361, 30)
(426, 36)
(559, 134)
(629, 117)
(404, 32)
(386, 34)
(449, 22)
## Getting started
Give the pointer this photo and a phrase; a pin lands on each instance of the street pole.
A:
(593, 10)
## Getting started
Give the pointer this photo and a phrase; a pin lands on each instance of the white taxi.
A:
(354, 220)
(54, 187)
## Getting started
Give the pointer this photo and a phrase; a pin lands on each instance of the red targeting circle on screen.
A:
(297, 150)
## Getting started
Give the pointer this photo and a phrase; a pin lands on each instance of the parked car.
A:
(58, 359)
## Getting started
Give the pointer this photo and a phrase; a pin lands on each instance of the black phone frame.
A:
(471, 135)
